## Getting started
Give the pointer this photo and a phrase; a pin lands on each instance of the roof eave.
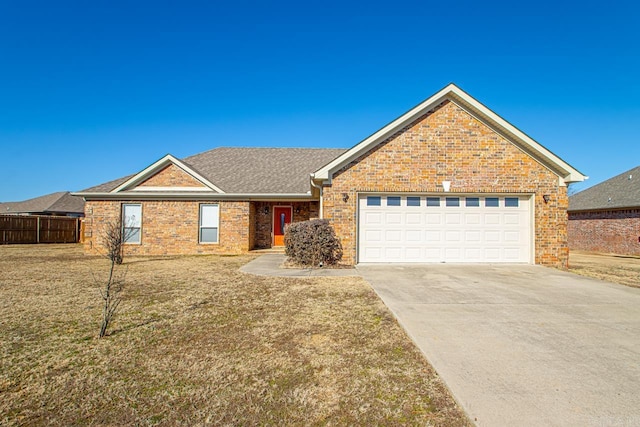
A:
(191, 195)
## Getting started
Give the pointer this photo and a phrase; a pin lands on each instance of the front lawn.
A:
(200, 343)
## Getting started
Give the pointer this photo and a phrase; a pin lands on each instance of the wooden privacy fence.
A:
(16, 229)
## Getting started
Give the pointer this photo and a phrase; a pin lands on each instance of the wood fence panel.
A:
(17, 229)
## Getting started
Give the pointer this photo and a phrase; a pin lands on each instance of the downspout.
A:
(319, 187)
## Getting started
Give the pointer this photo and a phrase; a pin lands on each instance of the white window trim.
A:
(124, 225)
(200, 227)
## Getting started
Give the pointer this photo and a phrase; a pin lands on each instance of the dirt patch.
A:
(200, 343)
(621, 269)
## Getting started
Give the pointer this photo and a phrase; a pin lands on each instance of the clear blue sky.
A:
(94, 90)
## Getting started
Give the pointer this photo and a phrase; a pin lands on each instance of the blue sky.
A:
(92, 91)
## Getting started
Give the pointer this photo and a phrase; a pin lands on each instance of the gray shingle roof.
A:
(61, 202)
(622, 191)
(253, 170)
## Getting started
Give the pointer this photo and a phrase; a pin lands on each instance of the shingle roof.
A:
(60, 202)
(239, 170)
(622, 191)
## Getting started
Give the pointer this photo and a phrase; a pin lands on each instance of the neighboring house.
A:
(448, 181)
(606, 217)
(62, 203)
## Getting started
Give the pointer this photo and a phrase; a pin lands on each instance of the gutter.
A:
(319, 187)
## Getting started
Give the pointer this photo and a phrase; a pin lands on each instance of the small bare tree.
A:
(114, 236)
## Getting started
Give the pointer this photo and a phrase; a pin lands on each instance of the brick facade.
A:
(172, 227)
(608, 231)
(448, 144)
(171, 176)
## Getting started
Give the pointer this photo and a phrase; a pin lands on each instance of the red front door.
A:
(281, 217)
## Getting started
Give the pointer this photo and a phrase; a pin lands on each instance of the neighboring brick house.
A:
(606, 217)
(448, 181)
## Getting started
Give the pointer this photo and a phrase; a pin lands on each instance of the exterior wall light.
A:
(546, 198)
(345, 197)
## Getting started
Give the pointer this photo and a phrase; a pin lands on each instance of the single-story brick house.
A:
(62, 203)
(448, 181)
(606, 217)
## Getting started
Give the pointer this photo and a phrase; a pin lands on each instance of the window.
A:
(373, 200)
(453, 201)
(472, 202)
(393, 201)
(131, 222)
(209, 220)
(492, 202)
(433, 201)
(413, 201)
(511, 202)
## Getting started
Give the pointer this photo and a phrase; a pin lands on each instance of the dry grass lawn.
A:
(200, 343)
(624, 270)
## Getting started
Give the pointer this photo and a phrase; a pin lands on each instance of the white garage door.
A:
(449, 228)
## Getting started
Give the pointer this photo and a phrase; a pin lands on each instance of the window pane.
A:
(393, 201)
(373, 200)
(511, 202)
(413, 201)
(433, 201)
(472, 202)
(492, 202)
(132, 215)
(209, 235)
(453, 201)
(131, 235)
(209, 216)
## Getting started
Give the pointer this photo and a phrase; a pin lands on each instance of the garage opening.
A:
(444, 228)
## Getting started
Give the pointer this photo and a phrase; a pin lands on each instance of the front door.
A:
(281, 217)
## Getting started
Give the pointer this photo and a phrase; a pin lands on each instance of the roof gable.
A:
(621, 191)
(473, 107)
(144, 180)
(236, 172)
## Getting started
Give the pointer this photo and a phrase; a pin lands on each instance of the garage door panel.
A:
(435, 229)
(392, 235)
(492, 219)
(433, 236)
(393, 218)
(452, 218)
(373, 236)
(472, 219)
(413, 218)
(452, 236)
(373, 218)
(434, 218)
(393, 253)
(413, 235)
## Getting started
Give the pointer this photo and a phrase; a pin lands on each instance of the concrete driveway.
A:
(522, 345)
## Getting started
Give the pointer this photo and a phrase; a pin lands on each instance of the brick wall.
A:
(608, 231)
(171, 176)
(448, 144)
(171, 227)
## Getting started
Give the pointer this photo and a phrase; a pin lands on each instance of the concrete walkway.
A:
(271, 265)
(522, 345)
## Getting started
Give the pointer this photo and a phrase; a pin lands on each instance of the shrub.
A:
(312, 243)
